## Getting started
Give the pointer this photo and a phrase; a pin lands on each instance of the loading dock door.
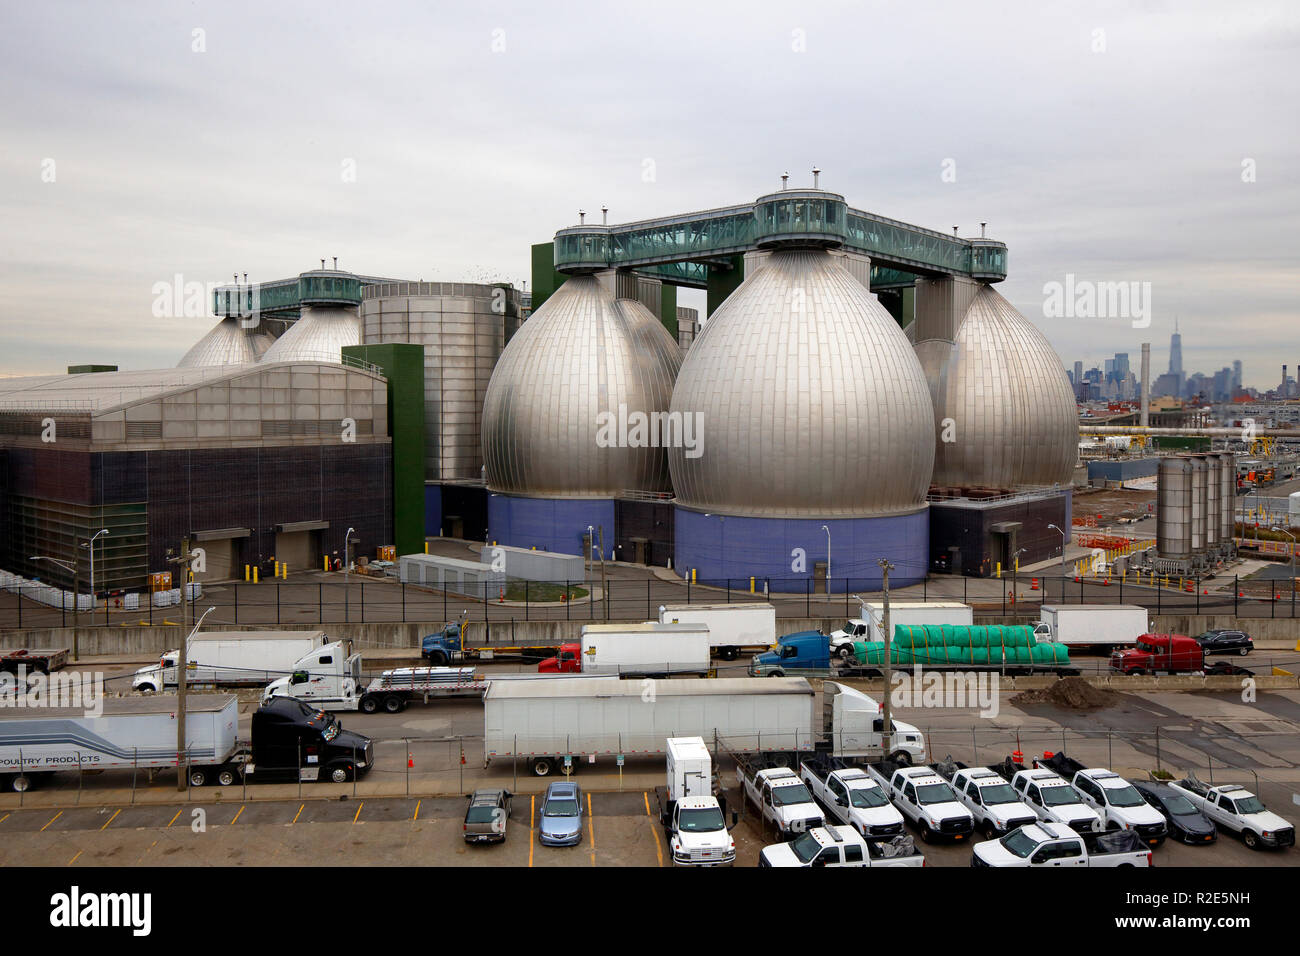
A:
(219, 560)
(298, 549)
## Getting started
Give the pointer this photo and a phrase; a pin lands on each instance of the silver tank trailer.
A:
(1174, 509)
(1199, 505)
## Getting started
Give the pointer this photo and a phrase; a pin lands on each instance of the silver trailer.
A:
(132, 732)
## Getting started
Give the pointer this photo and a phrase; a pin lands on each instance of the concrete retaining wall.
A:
(149, 642)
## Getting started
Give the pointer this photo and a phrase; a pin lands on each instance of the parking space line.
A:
(297, 815)
(52, 819)
(74, 859)
(358, 816)
(173, 819)
(5, 817)
(591, 828)
(238, 815)
(654, 829)
(532, 809)
(111, 819)
(413, 819)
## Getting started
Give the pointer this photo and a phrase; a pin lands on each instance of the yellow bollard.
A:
(999, 569)
(247, 574)
(326, 559)
(284, 570)
(426, 547)
(277, 569)
(255, 574)
(751, 584)
(692, 575)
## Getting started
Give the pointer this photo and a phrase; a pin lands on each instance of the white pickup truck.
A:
(996, 807)
(780, 796)
(1237, 809)
(840, 846)
(1055, 801)
(850, 796)
(926, 799)
(1055, 844)
(1116, 800)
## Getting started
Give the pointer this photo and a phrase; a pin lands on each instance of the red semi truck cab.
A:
(569, 661)
(1173, 653)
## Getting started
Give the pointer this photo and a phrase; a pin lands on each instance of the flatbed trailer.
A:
(37, 661)
(841, 669)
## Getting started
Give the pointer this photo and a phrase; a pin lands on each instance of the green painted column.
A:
(723, 282)
(403, 366)
(668, 309)
(545, 279)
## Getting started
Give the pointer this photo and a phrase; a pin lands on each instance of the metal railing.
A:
(331, 601)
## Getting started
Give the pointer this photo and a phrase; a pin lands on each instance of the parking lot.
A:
(618, 831)
(113, 819)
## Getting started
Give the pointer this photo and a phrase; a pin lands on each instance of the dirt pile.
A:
(1071, 693)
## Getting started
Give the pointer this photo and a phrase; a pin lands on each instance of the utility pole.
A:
(886, 727)
(182, 663)
(604, 588)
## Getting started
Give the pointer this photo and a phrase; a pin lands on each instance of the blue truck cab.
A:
(795, 655)
(442, 647)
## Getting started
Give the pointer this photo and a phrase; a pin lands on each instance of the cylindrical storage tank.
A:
(1213, 487)
(1227, 499)
(1174, 508)
(817, 433)
(463, 327)
(1199, 503)
(574, 415)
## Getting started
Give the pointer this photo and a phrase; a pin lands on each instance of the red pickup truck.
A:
(1152, 653)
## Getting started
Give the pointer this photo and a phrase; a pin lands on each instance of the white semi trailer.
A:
(734, 629)
(546, 721)
(231, 658)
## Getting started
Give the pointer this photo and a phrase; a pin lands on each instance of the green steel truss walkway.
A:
(681, 249)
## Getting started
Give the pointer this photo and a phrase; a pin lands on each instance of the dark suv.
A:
(1224, 641)
(486, 816)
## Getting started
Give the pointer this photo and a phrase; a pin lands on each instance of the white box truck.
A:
(231, 658)
(634, 650)
(547, 721)
(690, 813)
(1099, 627)
(901, 613)
(734, 629)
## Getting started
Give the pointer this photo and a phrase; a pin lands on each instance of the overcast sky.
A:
(1101, 140)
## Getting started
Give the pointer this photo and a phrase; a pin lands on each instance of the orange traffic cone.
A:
(410, 760)
(1033, 584)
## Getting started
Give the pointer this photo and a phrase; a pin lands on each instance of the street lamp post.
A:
(828, 562)
(1055, 528)
(1289, 534)
(91, 546)
(347, 566)
(75, 568)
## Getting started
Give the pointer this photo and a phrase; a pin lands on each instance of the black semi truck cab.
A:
(294, 741)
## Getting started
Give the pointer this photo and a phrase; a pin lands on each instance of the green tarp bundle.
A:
(966, 645)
